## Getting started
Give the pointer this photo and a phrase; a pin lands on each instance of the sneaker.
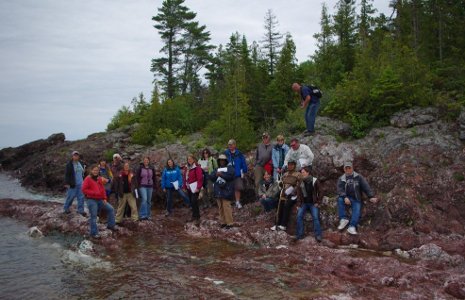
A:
(352, 230)
(281, 227)
(167, 214)
(342, 224)
(238, 205)
(96, 236)
(66, 212)
(318, 238)
(273, 228)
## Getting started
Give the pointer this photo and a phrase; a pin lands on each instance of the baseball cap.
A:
(75, 153)
(232, 142)
(348, 164)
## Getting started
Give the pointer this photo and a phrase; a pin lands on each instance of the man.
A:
(223, 178)
(237, 160)
(268, 192)
(309, 101)
(262, 160)
(299, 153)
(310, 199)
(349, 188)
(74, 177)
(278, 154)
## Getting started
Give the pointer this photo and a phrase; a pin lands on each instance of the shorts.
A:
(238, 184)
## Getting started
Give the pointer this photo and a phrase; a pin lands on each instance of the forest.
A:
(368, 65)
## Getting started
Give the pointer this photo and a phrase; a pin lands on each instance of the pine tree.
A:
(271, 40)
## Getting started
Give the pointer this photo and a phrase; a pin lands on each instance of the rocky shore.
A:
(413, 240)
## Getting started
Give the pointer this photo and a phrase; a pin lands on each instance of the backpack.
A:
(314, 91)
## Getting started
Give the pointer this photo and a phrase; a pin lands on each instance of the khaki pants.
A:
(224, 207)
(127, 198)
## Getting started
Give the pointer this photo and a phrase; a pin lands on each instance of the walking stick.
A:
(281, 185)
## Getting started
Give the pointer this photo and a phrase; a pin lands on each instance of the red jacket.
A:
(94, 189)
(192, 175)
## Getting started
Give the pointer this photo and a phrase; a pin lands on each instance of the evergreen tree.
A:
(345, 30)
(271, 40)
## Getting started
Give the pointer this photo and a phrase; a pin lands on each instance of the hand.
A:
(316, 205)
(105, 201)
(218, 174)
(104, 180)
(346, 201)
(279, 170)
(374, 200)
(164, 190)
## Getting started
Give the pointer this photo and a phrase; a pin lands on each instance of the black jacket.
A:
(70, 176)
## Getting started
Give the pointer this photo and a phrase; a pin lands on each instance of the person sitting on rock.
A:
(223, 187)
(309, 196)
(291, 181)
(126, 187)
(74, 177)
(300, 153)
(94, 190)
(349, 188)
(171, 181)
(268, 192)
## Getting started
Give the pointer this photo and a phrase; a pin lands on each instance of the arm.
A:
(365, 187)
(199, 176)
(229, 175)
(274, 157)
(310, 155)
(243, 163)
(316, 187)
(163, 179)
(179, 177)
(341, 188)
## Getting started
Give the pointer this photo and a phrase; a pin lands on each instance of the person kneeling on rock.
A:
(291, 181)
(93, 189)
(309, 196)
(223, 190)
(349, 188)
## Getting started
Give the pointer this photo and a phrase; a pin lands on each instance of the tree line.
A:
(369, 66)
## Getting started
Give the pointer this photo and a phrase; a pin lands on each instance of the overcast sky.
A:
(68, 66)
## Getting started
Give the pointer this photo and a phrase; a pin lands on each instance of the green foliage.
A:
(108, 154)
(165, 136)
(293, 123)
(123, 117)
(458, 176)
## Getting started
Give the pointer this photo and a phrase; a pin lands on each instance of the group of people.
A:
(283, 177)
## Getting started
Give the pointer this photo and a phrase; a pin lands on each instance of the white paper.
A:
(289, 191)
(137, 193)
(224, 170)
(294, 198)
(203, 164)
(193, 186)
(175, 184)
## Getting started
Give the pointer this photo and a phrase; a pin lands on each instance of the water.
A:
(12, 189)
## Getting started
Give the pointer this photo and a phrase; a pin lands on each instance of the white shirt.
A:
(303, 156)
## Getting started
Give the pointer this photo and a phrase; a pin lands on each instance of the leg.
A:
(307, 117)
(258, 176)
(149, 202)
(70, 194)
(316, 220)
(227, 211)
(185, 197)
(287, 211)
(219, 201)
(300, 221)
(80, 199)
(143, 202)
(356, 208)
(133, 205)
(110, 214)
(93, 208)
(341, 208)
(169, 200)
(120, 210)
(313, 109)
(194, 197)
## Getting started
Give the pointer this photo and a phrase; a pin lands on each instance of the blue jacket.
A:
(306, 91)
(224, 190)
(170, 175)
(237, 160)
(278, 156)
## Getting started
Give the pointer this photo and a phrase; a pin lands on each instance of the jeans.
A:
(269, 203)
(315, 211)
(146, 202)
(310, 115)
(75, 192)
(169, 198)
(356, 208)
(94, 206)
(285, 210)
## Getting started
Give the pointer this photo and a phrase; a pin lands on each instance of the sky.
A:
(68, 66)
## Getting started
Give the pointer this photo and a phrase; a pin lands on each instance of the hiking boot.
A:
(352, 230)
(114, 228)
(228, 227)
(66, 212)
(197, 222)
(273, 228)
(318, 238)
(342, 224)
(84, 214)
(309, 133)
(167, 214)
(96, 236)
(238, 205)
(281, 227)
(223, 225)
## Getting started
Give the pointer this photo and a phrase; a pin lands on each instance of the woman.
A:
(192, 184)
(106, 173)
(94, 191)
(278, 154)
(268, 192)
(208, 164)
(309, 195)
(224, 190)
(125, 186)
(146, 181)
(171, 181)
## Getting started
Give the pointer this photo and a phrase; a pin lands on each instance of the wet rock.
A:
(86, 247)
(35, 232)
(432, 252)
(455, 286)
